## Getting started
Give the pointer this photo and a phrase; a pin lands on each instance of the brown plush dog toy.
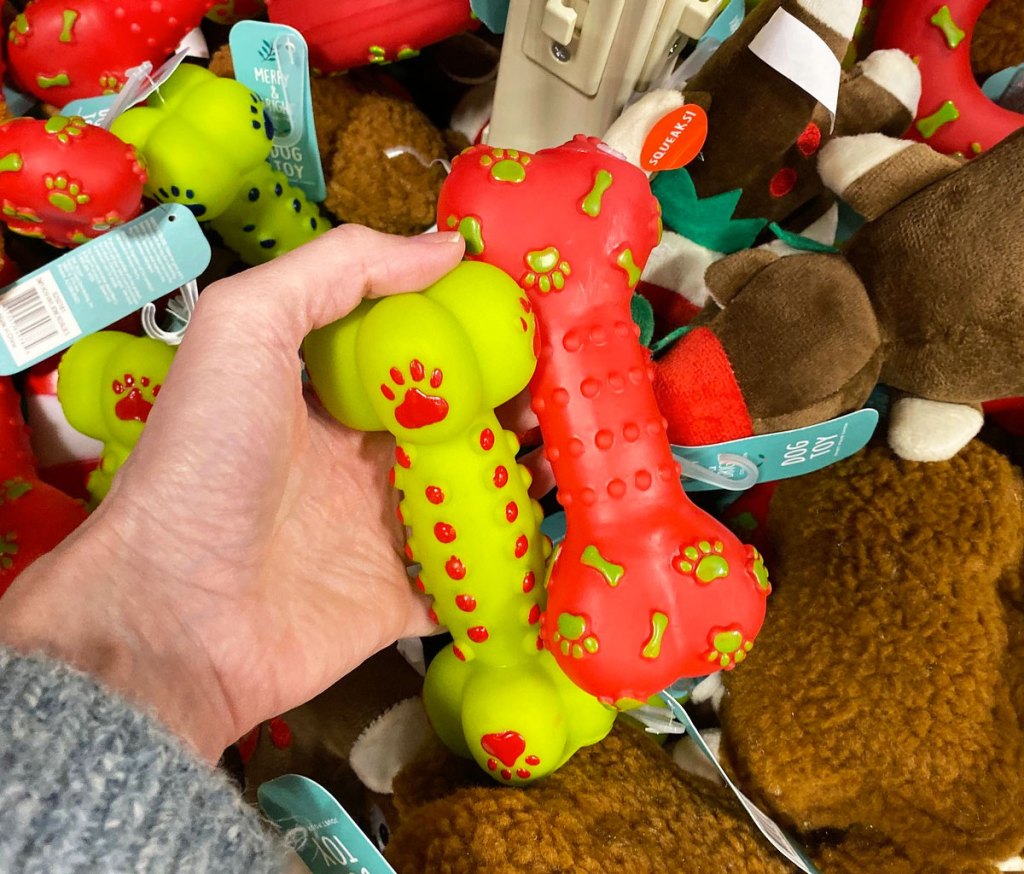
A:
(883, 715)
(928, 299)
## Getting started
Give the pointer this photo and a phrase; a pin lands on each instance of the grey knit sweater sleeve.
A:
(88, 784)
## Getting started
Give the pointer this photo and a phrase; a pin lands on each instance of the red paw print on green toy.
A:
(61, 53)
(66, 181)
(418, 408)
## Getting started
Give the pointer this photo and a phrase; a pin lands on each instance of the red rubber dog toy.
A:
(61, 52)
(955, 116)
(34, 516)
(350, 33)
(646, 588)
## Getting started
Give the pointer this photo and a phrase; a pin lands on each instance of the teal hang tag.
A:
(786, 454)
(493, 13)
(99, 283)
(727, 23)
(92, 109)
(318, 828)
(272, 60)
(553, 527)
(776, 836)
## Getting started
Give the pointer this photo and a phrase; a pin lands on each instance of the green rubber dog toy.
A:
(430, 368)
(205, 143)
(107, 384)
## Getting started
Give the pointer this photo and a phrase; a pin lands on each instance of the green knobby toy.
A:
(205, 143)
(107, 384)
(430, 368)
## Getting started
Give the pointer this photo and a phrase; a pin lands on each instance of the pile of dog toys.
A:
(777, 222)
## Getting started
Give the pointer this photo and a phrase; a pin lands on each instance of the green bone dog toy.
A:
(205, 142)
(107, 384)
(430, 368)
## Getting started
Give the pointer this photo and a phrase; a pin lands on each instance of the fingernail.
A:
(449, 237)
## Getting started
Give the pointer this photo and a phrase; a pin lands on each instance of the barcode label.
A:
(35, 319)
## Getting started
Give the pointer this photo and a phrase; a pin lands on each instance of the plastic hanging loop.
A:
(293, 102)
(394, 151)
(130, 93)
(694, 471)
(180, 308)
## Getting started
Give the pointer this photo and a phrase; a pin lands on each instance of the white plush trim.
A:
(896, 72)
(679, 264)
(629, 131)
(688, 756)
(838, 15)
(709, 689)
(823, 230)
(389, 743)
(846, 159)
(1014, 864)
(922, 430)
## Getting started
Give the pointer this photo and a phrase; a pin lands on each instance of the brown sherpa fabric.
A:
(356, 126)
(883, 707)
(765, 131)
(398, 194)
(998, 37)
(620, 805)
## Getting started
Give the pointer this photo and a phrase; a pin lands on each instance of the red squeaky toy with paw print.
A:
(61, 52)
(66, 181)
(646, 588)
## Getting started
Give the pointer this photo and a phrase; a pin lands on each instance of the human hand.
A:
(248, 554)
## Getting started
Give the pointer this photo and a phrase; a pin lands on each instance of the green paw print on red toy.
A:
(8, 549)
(704, 561)
(506, 165)
(756, 567)
(573, 638)
(14, 488)
(548, 270)
(66, 181)
(728, 647)
(65, 194)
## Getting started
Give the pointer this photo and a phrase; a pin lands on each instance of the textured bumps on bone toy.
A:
(431, 368)
(66, 181)
(34, 516)
(107, 384)
(206, 141)
(350, 33)
(60, 52)
(646, 588)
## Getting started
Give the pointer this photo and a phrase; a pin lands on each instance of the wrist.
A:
(78, 605)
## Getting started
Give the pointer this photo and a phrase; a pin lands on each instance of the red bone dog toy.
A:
(66, 181)
(34, 517)
(954, 115)
(350, 33)
(60, 52)
(645, 588)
